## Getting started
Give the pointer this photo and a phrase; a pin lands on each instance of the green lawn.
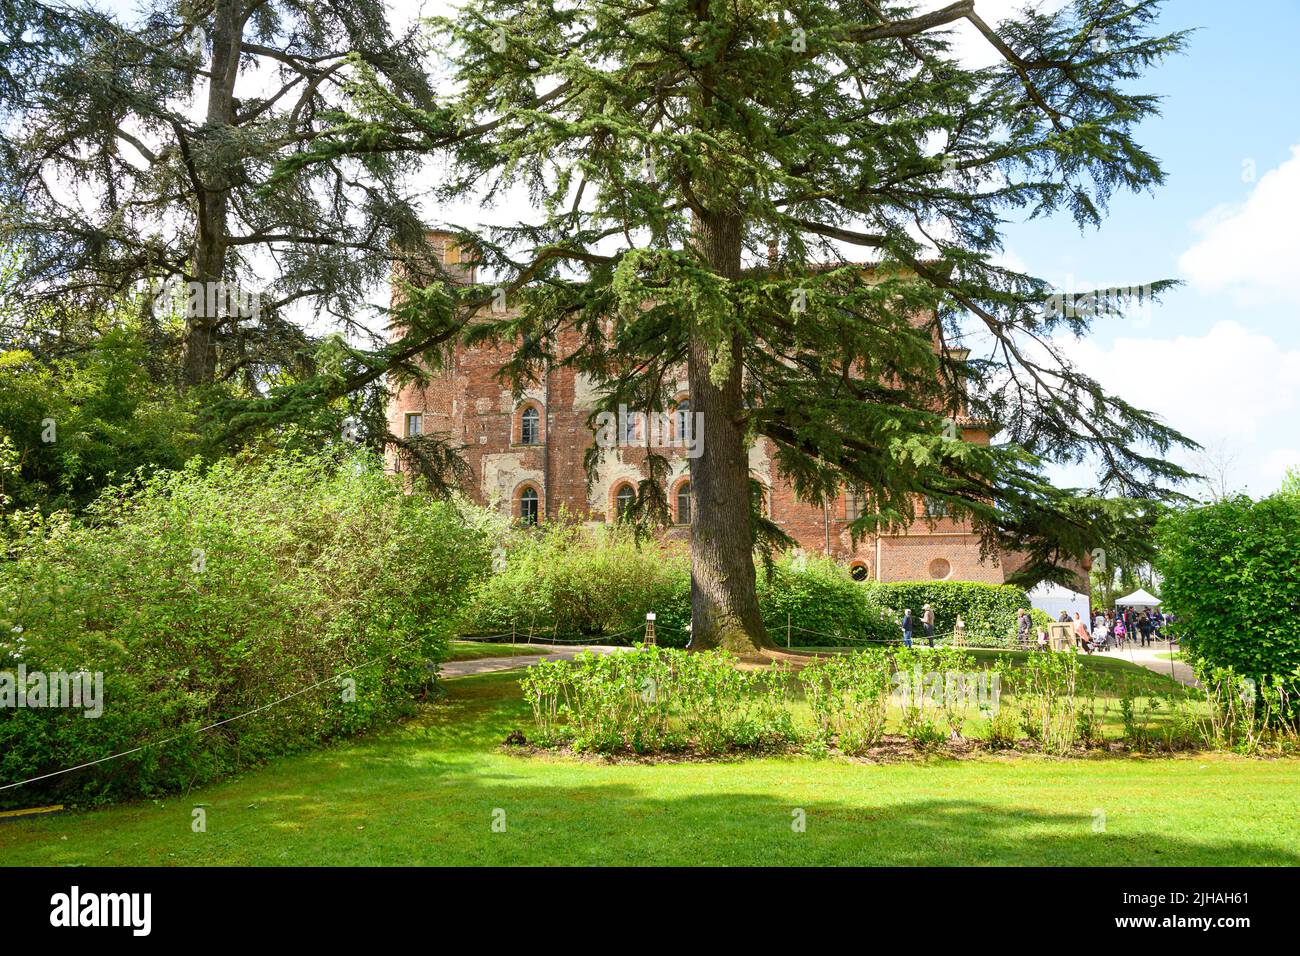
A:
(425, 792)
(475, 650)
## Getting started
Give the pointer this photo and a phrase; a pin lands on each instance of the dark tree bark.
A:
(203, 310)
(724, 600)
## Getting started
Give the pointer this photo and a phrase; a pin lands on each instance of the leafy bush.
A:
(988, 610)
(656, 698)
(202, 595)
(823, 605)
(1231, 573)
(1246, 716)
(936, 690)
(1046, 689)
(849, 698)
(78, 424)
(570, 580)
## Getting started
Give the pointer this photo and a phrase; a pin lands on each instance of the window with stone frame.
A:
(529, 506)
(530, 427)
(624, 498)
(684, 503)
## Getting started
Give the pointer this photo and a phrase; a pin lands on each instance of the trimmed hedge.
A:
(1230, 572)
(988, 610)
(202, 595)
(825, 606)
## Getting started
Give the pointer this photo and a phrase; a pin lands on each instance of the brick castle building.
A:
(526, 455)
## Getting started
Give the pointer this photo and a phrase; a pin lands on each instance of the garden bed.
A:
(884, 704)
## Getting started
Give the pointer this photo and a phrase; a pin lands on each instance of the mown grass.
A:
(425, 792)
(477, 650)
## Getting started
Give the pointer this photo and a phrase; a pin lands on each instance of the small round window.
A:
(940, 569)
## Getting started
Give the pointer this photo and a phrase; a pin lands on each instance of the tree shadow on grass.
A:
(429, 792)
(503, 819)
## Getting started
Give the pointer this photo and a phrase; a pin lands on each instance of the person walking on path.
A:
(927, 622)
(1144, 628)
(1023, 623)
(907, 628)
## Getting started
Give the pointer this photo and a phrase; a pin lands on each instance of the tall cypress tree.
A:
(701, 177)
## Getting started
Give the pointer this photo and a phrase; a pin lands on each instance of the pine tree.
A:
(695, 171)
(136, 152)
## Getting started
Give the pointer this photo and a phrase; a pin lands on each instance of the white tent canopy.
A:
(1139, 598)
(1054, 598)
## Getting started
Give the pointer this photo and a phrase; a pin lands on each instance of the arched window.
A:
(528, 506)
(623, 500)
(530, 427)
(683, 421)
(684, 503)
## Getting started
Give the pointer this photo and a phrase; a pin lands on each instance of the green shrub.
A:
(822, 605)
(937, 689)
(571, 581)
(1046, 691)
(202, 595)
(654, 699)
(988, 610)
(1244, 715)
(81, 422)
(849, 696)
(1231, 573)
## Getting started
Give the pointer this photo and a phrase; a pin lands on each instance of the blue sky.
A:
(1219, 358)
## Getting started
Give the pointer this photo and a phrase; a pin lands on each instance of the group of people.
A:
(927, 624)
(1107, 629)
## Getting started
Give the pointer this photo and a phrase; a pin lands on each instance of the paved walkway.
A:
(1142, 656)
(1147, 657)
(551, 652)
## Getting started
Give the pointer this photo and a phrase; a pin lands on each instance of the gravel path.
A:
(1146, 657)
(551, 652)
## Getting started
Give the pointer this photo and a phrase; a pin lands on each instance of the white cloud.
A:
(1230, 386)
(1250, 249)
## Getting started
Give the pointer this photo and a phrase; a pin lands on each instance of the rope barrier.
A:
(335, 677)
(545, 639)
(211, 726)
